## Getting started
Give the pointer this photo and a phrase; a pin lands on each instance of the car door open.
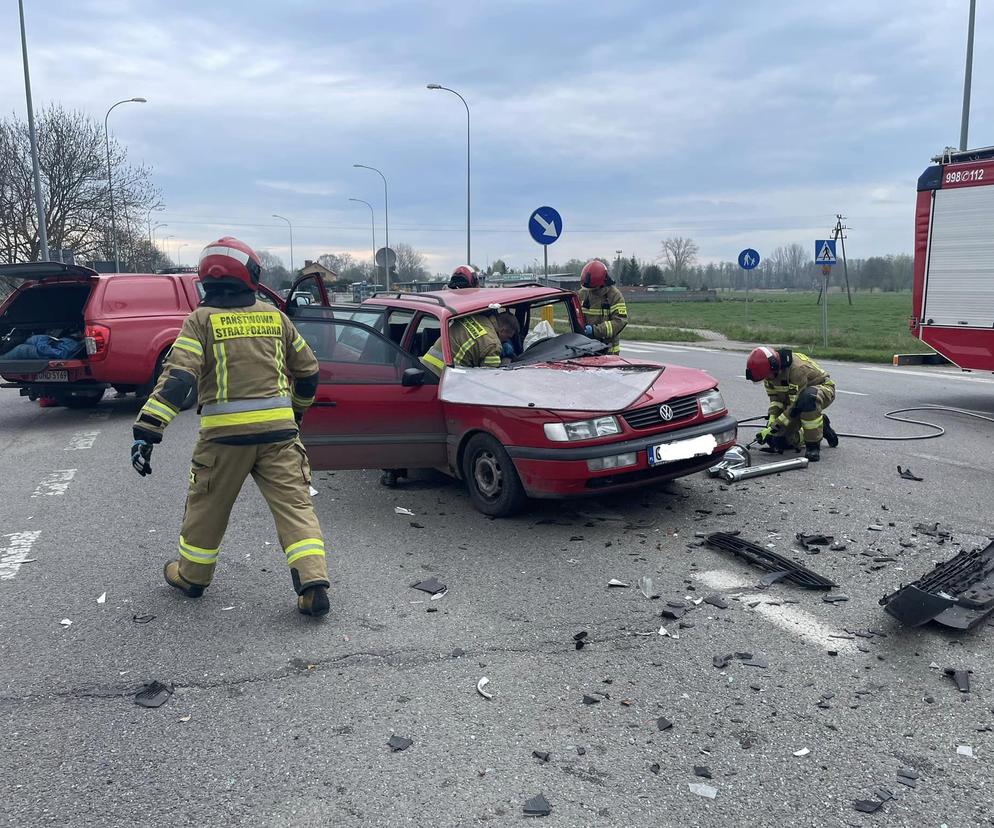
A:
(376, 406)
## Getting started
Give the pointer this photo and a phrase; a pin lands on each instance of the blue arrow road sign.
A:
(748, 259)
(825, 251)
(545, 225)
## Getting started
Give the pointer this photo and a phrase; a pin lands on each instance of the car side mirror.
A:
(412, 377)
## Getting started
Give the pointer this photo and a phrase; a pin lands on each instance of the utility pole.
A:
(36, 167)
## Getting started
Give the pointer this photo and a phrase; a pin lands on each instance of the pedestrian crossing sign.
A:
(825, 252)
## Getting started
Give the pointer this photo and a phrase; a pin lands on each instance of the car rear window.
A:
(142, 296)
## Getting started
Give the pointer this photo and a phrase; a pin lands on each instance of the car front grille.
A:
(683, 408)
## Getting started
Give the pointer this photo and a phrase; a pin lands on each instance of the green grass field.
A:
(872, 330)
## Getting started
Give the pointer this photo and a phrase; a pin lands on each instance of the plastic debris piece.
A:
(907, 474)
(772, 577)
(802, 752)
(432, 586)
(537, 806)
(910, 773)
(614, 582)
(142, 619)
(703, 789)
(400, 510)
(184, 719)
(226, 609)
(721, 662)
(313, 491)
(654, 767)
(768, 560)
(103, 598)
(756, 661)
(581, 751)
(814, 540)
(590, 699)
(834, 599)
(541, 755)
(674, 613)
(867, 806)
(702, 771)
(961, 677)
(838, 546)
(480, 685)
(662, 723)
(153, 694)
(884, 794)
(717, 601)
(458, 652)
(65, 622)
(416, 525)
(399, 743)
(875, 527)
(580, 639)
(964, 750)
(646, 588)
(439, 595)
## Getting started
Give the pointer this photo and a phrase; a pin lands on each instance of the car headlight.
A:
(711, 402)
(582, 429)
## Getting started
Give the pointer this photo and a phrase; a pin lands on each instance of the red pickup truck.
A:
(127, 323)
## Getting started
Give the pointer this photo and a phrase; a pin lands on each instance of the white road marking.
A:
(14, 551)
(795, 621)
(929, 375)
(82, 440)
(854, 393)
(55, 483)
(652, 346)
(949, 462)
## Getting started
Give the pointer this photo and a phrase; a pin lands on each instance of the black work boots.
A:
(314, 601)
(813, 452)
(830, 436)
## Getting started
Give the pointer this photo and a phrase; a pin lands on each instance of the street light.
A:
(157, 226)
(164, 240)
(386, 221)
(372, 225)
(110, 178)
(39, 201)
(291, 239)
(178, 249)
(968, 77)
(469, 260)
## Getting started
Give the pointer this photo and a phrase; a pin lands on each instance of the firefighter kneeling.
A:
(799, 391)
(255, 376)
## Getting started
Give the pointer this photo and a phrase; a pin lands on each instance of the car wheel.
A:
(493, 482)
(88, 401)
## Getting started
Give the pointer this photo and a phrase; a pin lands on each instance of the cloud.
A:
(299, 188)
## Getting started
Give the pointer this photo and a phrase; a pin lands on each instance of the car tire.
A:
(493, 482)
(88, 401)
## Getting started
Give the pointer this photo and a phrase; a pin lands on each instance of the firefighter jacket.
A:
(784, 388)
(254, 373)
(474, 343)
(605, 311)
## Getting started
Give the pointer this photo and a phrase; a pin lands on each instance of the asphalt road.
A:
(280, 720)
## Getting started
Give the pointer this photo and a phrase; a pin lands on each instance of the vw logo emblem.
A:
(665, 413)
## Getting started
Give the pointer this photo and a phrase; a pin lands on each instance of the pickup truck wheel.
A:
(493, 482)
(88, 401)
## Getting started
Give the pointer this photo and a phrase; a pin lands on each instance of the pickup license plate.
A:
(682, 449)
(52, 376)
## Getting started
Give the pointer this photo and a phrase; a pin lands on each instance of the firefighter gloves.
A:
(141, 457)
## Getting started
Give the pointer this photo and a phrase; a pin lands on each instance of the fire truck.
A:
(953, 298)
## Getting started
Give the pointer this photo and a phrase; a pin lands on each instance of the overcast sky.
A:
(734, 123)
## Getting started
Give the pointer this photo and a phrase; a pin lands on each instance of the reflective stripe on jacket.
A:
(784, 388)
(605, 311)
(474, 343)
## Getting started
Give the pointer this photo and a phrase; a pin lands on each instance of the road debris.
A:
(480, 685)
(654, 767)
(184, 719)
(802, 752)
(662, 723)
(102, 598)
(153, 694)
(400, 510)
(809, 541)
(932, 530)
(875, 527)
(703, 789)
(960, 677)
(590, 699)
(646, 587)
(957, 593)
(541, 755)
(721, 662)
(614, 582)
(867, 806)
(771, 578)
(142, 619)
(432, 586)
(965, 750)
(537, 806)
(399, 743)
(907, 474)
(768, 560)
(65, 622)
(313, 491)
(717, 601)
(908, 777)
(834, 599)
(580, 639)
(702, 771)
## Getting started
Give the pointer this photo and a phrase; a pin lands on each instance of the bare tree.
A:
(73, 161)
(410, 263)
(680, 254)
(274, 272)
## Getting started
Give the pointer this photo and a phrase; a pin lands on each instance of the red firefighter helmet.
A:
(763, 363)
(464, 276)
(230, 261)
(595, 275)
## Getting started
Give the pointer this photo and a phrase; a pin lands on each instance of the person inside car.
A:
(483, 340)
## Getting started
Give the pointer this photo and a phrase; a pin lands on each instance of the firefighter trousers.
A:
(283, 475)
(808, 426)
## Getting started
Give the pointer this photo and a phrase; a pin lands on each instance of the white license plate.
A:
(682, 449)
(52, 376)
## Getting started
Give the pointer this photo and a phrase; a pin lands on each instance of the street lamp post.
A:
(110, 179)
(291, 239)
(164, 240)
(968, 77)
(178, 249)
(469, 260)
(36, 167)
(157, 226)
(372, 226)
(386, 221)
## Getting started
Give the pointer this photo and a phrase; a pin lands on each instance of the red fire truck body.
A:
(953, 299)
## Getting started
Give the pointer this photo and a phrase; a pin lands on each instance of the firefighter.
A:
(603, 306)
(799, 390)
(464, 276)
(255, 376)
(484, 340)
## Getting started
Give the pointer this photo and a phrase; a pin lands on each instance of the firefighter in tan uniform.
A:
(604, 307)
(255, 376)
(479, 341)
(799, 390)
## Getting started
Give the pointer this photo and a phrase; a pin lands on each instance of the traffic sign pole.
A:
(826, 271)
(748, 260)
(545, 227)
(545, 249)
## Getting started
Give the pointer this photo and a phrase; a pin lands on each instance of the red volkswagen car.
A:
(562, 420)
